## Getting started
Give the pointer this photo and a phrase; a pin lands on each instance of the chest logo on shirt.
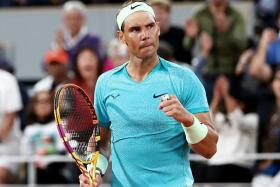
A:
(114, 96)
(156, 96)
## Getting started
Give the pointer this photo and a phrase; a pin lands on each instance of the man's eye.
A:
(135, 30)
(150, 26)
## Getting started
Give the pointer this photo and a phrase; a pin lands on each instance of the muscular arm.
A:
(207, 146)
(105, 142)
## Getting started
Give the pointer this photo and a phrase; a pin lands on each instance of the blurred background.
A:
(233, 46)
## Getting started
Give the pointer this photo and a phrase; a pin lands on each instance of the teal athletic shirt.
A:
(148, 148)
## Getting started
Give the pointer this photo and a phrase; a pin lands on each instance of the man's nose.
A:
(145, 34)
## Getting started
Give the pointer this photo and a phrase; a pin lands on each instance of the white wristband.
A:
(101, 165)
(196, 132)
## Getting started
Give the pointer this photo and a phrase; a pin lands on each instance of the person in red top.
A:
(87, 68)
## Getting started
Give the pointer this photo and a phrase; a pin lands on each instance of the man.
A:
(9, 125)
(148, 142)
(56, 65)
(75, 32)
(264, 63)
(224, 30)
(169, 33)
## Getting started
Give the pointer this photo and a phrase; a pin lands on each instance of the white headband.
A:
(129, 9)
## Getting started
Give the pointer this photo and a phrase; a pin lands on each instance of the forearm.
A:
(230, 103)
(7, 125)
(214, 105)
(206, 145)
(258, 68)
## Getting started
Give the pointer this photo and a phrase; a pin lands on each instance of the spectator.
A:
(40, 138)
(243, 80)
(225, 29)
(9, 125)
(75, 33)
(117, 54)
(7, 66)
(173, 35)
(56, 63)
(262, 68)
(199, 62)
(268, 170)
(267, 56)
(237, 131)
(87, 68)
(166, 51)
(265, 14)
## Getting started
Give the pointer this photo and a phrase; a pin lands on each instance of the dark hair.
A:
(31, 115)
(75, 62)
(6, 65)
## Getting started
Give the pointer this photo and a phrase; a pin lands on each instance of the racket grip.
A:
(165, 97)
(101, 166)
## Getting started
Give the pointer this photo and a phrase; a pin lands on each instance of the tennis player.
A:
(150, 138)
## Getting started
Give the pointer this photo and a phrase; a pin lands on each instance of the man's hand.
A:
(173, 108)
(85, 181)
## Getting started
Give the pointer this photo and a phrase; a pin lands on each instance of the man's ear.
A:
(158, 27)
(121, 37)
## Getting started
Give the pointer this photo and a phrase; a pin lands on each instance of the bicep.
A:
(105, 135)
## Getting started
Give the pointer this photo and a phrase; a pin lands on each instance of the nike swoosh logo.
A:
(156, 96)
(133, 7)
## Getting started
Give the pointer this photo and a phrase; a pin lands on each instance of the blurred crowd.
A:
(24, 3)
(240, 73)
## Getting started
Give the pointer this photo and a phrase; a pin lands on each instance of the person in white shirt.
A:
(10, 104)
(237, 137)
(41, 138)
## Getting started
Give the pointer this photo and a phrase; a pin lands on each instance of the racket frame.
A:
(79, 162)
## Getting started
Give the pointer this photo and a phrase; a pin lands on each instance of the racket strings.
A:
(77, 122)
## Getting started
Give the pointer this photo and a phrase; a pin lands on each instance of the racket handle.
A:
(165, 97)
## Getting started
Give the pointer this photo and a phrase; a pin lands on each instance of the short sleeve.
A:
(99, 102)
(193, 93)
(12, 98)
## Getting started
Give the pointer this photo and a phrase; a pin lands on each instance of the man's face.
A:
(56, 69)
(73, 21)
(140, 34)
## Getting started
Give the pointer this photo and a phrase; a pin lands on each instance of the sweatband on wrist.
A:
(196, 132)
(101, 165)
(134, 7)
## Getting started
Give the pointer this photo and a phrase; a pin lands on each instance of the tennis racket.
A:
(77, 126)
